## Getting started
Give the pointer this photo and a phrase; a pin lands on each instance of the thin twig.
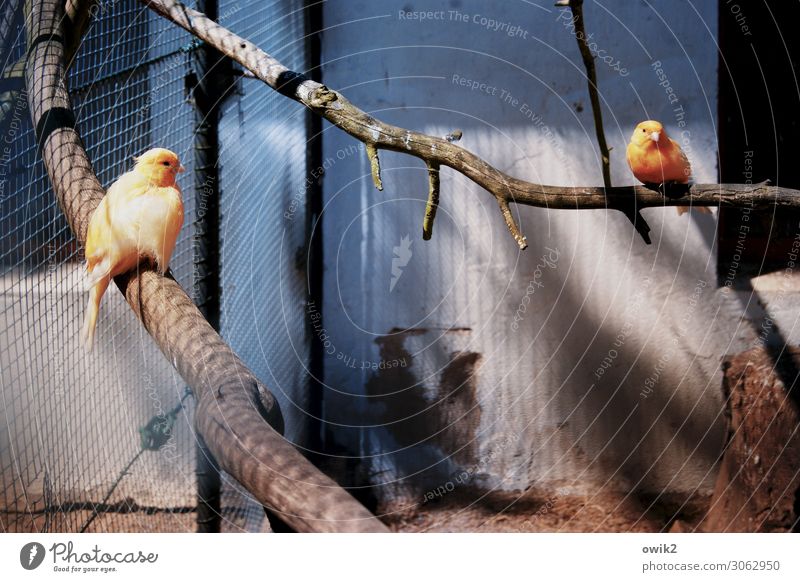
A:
(576, 6)
(374, 165)
(433, 201)
(594, 97)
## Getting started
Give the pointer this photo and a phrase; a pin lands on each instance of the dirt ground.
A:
(456, 512)
(537, 512)
(124, 517)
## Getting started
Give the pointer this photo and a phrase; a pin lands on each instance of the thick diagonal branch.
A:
(78, 14)
(236, 414)
(335, 108)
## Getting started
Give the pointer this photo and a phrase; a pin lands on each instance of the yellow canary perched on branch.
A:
(139, 218)
(655, 158)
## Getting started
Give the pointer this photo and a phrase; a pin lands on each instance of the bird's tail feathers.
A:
(100, 271)
(92, 311)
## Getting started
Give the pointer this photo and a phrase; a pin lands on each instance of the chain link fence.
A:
(104, 441)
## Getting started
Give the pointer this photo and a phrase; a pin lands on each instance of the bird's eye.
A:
(644, 130)
(165, 163)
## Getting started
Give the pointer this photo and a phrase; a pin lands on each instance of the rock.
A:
(757, 488)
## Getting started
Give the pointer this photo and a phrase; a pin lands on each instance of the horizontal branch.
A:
(236, 414)
(437, 151)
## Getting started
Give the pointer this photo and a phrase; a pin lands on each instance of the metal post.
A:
(314, 206)
(209, 86)
(315, 443)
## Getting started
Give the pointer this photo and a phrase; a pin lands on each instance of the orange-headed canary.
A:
(655, 158)
(139, 217)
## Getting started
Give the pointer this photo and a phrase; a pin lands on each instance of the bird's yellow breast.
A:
(653, 164)
(135, 219)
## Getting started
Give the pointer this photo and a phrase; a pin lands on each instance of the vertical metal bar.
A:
(315, 444)
(314, 205)
(209, 488)
(211, 83)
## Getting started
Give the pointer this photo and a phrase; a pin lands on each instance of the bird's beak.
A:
(655, 136)
(181, 169)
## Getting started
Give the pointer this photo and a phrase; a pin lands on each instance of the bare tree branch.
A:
(236, 414)
(576, 6)
(375, 165)
(334, 107)
(79, 15)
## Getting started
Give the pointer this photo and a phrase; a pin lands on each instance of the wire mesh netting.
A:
(81, 444)
(263, 170)
(263, 178)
